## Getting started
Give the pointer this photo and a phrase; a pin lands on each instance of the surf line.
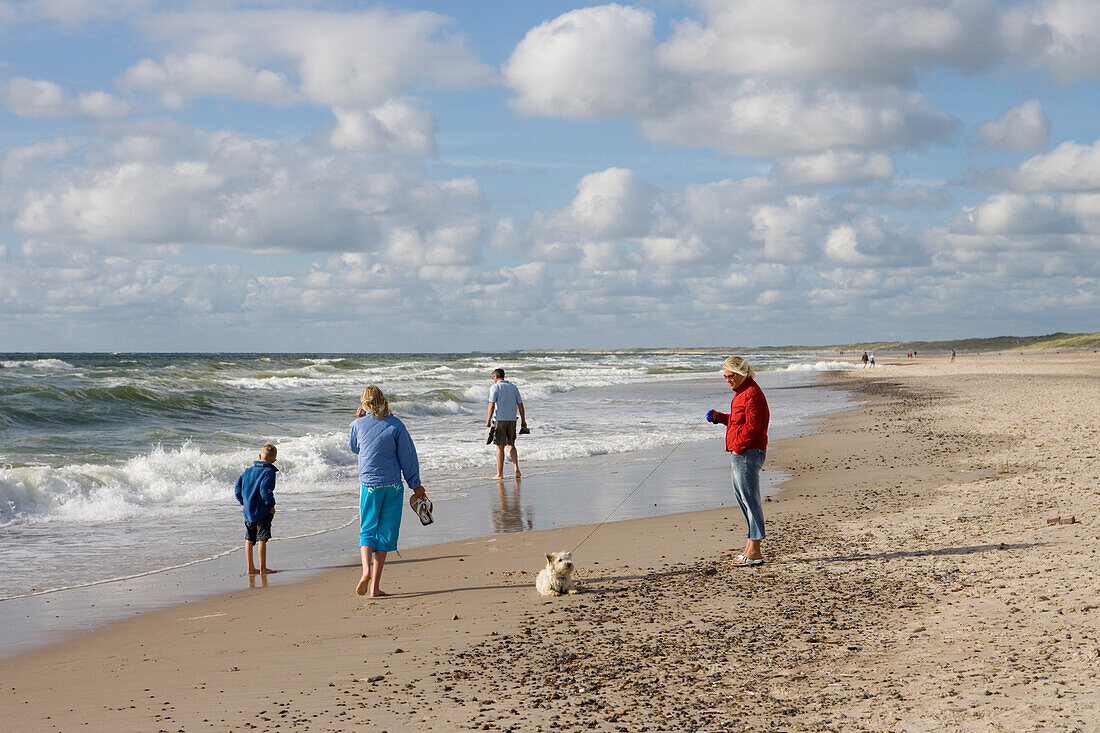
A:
(608, 517)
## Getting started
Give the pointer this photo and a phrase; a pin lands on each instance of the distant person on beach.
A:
(872, 359)
(386, 453)
(255, 491)
(505, 404)
(747, 442)
(864, 359)
(952, 356)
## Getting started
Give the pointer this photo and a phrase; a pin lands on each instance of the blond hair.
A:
(737, 365)
(268, 452)
(374, 402)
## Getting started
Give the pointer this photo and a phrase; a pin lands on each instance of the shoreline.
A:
(488, 509)
(912, 584)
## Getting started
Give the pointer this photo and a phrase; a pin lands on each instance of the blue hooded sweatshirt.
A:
(385, 451)
(256, 490)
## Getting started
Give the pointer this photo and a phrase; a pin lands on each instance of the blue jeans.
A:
(745, 475)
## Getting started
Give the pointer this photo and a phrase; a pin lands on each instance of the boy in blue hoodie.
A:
(256, 492)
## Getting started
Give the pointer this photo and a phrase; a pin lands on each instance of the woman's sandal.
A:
(744, 562)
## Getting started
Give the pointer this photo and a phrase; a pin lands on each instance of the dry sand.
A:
(913, 584)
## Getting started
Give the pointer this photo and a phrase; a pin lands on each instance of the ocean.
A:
(118, 465)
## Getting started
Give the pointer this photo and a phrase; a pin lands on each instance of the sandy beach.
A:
(913, 584)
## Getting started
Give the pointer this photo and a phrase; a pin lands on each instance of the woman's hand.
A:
(361, 412)
(419, 491)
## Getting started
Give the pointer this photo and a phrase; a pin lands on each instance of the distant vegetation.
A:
(998, 343)
(1050, 341)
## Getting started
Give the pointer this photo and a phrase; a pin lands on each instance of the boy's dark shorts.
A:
(505, 433)
(258, 531)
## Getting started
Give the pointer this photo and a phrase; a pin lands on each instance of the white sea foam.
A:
(37, 364)
(822, 366)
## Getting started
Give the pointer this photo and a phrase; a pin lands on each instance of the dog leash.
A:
(629, 495)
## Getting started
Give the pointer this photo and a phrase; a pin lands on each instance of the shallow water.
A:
(118, 465)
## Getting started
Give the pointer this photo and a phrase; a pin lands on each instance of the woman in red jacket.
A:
(747, 441)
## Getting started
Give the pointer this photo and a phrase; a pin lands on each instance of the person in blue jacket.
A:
(256, 492)
(386, 453)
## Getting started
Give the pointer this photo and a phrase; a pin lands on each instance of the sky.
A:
(461, 176)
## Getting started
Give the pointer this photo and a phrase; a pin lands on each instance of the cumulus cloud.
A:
(605, 61)
(882, 40)
(1020, 128)
(1069, 167)
(751, 118)
(27, 157)
(396, 125)
(835, 166)
(1013, 213)
(41, 98)
(1069, 44)
(178, 78)
(228, 190)
(586, 63)
(347, 60)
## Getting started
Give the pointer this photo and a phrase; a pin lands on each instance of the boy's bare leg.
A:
(500, 462)
(514, 454)
(376, 577)
(261, 545)
(251, 563)
(365, 555)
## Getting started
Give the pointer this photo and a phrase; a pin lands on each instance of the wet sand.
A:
(913, 584)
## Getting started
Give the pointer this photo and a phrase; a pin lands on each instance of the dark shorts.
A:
(505, 433)
(258, 531)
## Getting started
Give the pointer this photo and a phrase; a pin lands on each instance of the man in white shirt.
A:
(505, 403)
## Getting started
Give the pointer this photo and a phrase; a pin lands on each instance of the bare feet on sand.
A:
(364, 583)
(268, 571)
(379, 594)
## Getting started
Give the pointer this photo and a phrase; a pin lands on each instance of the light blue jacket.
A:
(385, 451)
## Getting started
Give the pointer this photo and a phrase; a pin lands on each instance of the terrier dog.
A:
(557, 577)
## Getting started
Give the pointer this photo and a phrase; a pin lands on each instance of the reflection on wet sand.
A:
(508, 515)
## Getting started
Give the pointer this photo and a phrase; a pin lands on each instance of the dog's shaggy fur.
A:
(557, 577)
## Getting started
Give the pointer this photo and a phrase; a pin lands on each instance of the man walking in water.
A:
(504, 403)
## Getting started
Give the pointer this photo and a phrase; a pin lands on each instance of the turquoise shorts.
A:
(380, 516)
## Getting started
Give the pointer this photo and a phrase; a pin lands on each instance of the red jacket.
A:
(747, 421)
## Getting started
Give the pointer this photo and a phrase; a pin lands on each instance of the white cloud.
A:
(883, 40)
(1069, 167)
(396, 125)
(751, 118)
(1013, 213)
(835, 166)
(178, 78)
(586, 63)
(227, 190)
(20, 159)
(350, 60)
(1070, 42)
(604, 62)
(1020, 128)
(41, 98)
(612, 204)
(793, 230)
(873, 241)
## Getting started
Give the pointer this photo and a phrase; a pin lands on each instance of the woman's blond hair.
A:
(375, 402)
(737, 365)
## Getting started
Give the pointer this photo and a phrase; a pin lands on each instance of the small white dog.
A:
(557, 577)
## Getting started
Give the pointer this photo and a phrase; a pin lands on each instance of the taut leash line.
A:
(629, 495)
